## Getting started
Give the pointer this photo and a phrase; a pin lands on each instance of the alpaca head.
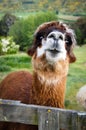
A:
(53, 43)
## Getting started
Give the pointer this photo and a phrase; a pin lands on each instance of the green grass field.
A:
(67, 18)
(76, 76)
(9, 63)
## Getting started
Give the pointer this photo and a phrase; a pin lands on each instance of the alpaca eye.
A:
(68, 40)
(41, 37)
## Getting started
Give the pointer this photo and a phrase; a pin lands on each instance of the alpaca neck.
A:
(49, 82)
(49, 90)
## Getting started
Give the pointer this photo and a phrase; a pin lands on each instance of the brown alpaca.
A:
(52, 51)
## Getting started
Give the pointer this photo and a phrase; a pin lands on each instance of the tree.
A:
(80, 29)
(5, 24)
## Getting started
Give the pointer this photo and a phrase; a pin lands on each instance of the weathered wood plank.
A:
(81, 120)
(18, 112)
(47, 118)
(67, 120)
(74, 121)
(14, 102)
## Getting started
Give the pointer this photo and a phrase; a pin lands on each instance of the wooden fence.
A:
(47, 118)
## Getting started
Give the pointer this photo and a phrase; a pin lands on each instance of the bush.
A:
(23, 30)
(5, 68)
(80, 30)
(5, 23)
(8, 46)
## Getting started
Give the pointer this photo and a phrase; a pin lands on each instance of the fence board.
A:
(13, 111)
(47, 118)
(81, 121)
(66, 120)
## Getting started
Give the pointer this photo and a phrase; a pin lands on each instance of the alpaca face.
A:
(53, 46)
(55, 41)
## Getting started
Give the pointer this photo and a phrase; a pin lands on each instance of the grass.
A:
(9, 63)
(76, 76)
(68, 18)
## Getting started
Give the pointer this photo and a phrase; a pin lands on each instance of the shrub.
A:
(23, 30)
(80, 29)
(8, 46)
(5, 68)
(5, 23)
(44, 17)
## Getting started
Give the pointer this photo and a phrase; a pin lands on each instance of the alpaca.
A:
(51, 53)
(81, 96)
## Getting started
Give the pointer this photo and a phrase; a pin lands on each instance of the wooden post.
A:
(48, 119)
(81, 120)
(74, 123)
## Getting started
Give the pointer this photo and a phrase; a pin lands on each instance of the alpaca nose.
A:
(54, 36)
(55, 44)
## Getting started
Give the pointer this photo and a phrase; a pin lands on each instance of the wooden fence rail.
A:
(47, 118)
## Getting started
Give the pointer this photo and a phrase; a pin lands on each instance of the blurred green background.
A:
(18, 21)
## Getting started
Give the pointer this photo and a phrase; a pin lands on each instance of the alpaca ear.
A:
(36, 43)
(72, 57)
(70, 43)
(31, 51)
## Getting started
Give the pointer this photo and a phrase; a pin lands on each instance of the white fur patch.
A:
(41, 50)
(49, 81)
(60, 56)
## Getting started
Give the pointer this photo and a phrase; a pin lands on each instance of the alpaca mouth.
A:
(53, 51)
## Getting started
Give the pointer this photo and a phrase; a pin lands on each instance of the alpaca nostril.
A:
(52, 36)
(61, 37)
